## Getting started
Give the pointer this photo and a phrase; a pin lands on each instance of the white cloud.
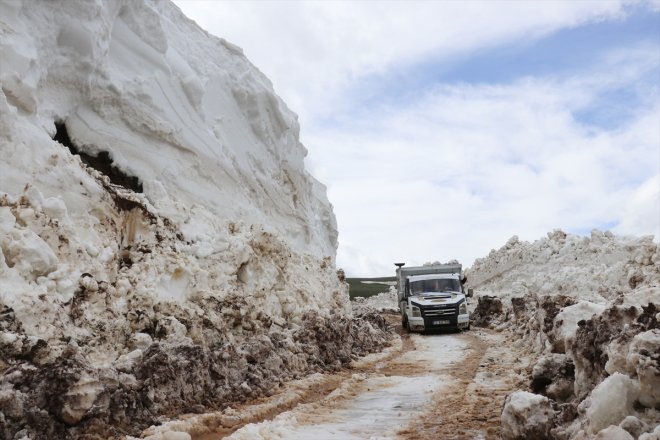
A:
(458, 172)
(460, 168)
(641, 212)
(313, 50)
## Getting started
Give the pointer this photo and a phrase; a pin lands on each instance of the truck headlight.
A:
(416, 312)
(462, 309)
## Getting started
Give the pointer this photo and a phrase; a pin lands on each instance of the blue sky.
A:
(564, 51)
(561, 53)
(443, 128)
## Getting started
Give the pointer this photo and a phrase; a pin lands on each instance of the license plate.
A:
(440, 322)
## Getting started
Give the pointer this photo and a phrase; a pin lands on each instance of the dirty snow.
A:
(386, 405)
(424, 387)
(587, 309)
(384, 301)
(369, 407)
(183, 250)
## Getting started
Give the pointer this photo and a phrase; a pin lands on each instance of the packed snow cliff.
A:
(162, 247)
(586, 309)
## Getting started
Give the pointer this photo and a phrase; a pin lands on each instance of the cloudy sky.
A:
(443, 128)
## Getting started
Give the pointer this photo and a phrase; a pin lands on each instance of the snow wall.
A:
(586, 310)
(163, 247)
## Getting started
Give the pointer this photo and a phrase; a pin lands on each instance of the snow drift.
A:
(587, 309)
(163, 247)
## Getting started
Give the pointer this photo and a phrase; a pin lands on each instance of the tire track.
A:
(471, 407)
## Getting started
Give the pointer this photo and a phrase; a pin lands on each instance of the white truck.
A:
(432, 297)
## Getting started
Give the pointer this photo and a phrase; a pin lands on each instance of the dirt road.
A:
(433, 386)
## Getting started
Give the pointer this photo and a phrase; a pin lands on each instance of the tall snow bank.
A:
(168, 250)
(587, 309)
(184, 112)
(599, 268)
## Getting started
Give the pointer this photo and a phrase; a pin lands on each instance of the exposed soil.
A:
(189, 377)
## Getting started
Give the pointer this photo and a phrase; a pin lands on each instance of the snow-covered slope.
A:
(182, 256)
(587, 309)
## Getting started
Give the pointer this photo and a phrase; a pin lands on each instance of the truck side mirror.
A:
(470, 293)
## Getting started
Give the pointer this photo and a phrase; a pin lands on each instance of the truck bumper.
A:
(463, 321)
(416, 324)
(430, 323)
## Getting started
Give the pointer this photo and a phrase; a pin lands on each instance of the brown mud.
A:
(470, 408)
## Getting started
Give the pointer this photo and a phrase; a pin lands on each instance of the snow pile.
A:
(162, 246)
(610, 402)
(384, 301)
(587, 309)
(526, 415)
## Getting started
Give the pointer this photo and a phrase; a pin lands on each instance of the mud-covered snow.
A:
(163, 249)
(586, 309)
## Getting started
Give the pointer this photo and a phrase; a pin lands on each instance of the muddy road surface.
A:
(431, 386)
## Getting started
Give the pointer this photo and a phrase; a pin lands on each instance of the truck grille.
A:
(447, 310)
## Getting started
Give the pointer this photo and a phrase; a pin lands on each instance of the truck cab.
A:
(432, 297)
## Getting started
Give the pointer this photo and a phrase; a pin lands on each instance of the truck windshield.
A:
(442, 285)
